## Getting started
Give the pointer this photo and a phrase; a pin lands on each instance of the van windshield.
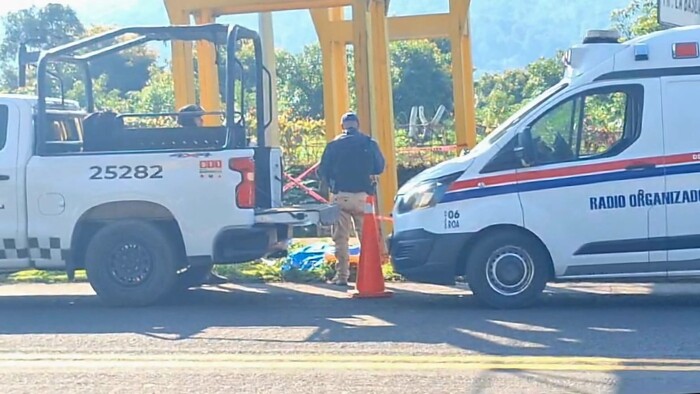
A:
(501, 130)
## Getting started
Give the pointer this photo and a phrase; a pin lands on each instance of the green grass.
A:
(254, 272)
(271, 272)
(37, 276)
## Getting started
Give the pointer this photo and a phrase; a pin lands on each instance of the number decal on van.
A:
(451, 219)
(126, 172)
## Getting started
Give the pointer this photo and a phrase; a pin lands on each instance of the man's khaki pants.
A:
(352, 209)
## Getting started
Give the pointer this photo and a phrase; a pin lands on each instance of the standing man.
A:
(349, 165)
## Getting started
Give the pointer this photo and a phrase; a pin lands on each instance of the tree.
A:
(55, 24)
(420, 74)
(158, 96)
(638, 18)
(301, 81)
(126, 71)
(500, 95)
(39, 28)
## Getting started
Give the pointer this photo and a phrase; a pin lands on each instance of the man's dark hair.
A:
(350, 117)
(187, 120)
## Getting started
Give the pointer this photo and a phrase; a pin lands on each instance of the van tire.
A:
(123, 253)
(520, 280)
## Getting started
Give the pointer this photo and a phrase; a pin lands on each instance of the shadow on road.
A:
(568, 324)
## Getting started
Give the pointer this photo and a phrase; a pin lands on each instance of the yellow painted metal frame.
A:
(369, 31)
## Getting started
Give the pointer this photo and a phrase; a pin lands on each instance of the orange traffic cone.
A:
(370, 280)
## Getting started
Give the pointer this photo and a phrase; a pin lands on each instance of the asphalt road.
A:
(314, 339)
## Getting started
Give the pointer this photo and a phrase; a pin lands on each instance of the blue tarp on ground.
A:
(313, 256)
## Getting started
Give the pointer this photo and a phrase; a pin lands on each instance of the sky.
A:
(10, 5)
(294, 29)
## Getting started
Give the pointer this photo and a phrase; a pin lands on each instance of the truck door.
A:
(13, 247)
(596, 165)
(681, 125)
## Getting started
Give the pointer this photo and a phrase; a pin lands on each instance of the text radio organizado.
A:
(645, 199)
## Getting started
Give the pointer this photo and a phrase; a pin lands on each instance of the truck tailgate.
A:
(302, 215)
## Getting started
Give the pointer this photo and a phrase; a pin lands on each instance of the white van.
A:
(596, 179)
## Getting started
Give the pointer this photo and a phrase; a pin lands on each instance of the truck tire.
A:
(194, 276)
(131, 263)
(508, 270)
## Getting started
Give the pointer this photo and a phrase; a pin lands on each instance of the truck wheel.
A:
(507, 270)
(194, 276)
(131, 263)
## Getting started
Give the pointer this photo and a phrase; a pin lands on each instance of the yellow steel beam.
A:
(229, 7)
(272, 133)
(183, 63)
(362, 53)
(419, 27)
(369, 32)
(208, 72)
(383, 105)
(374, 90)
(462, 74)
(336, 98)
(402, 28)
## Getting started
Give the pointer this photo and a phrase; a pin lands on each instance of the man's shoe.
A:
(215, 279)
(338, 282)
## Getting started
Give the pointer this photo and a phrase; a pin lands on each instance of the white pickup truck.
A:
(143, 210)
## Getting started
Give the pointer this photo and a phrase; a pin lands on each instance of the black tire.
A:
(194, 276)
(518, 282)
(131, 263)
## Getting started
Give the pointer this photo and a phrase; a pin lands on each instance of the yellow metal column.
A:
(374, 90)
(208, 72)
(183, 66)
(362, 52)
(382, 104)
(463, 74)
(336, 97)
(267, 35)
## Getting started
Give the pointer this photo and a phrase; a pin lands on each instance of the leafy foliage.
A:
(638, 18)
(56, 24)
(500, 95)
(41, 28)
(420, 74)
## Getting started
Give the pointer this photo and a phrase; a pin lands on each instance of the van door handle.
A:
(640, 167)
(4, 177)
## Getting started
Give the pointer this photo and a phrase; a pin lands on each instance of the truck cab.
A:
(144, 207)
(594, 180)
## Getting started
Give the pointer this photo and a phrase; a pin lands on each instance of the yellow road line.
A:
(355, 362)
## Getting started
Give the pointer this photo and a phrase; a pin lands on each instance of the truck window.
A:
(598, 123)
(4, 121)
(64, 129)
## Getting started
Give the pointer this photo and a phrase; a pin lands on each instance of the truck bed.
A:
(323, 214)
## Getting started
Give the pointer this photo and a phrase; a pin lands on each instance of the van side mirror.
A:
(524, 149)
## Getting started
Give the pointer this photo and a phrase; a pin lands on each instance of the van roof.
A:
(677, 47)
(666, 49)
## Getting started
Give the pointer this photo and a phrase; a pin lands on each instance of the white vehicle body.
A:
(47, 203)
(144, 209)
(615, 197)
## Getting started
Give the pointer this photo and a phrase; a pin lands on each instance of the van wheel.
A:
(131, 263)
(507, 270)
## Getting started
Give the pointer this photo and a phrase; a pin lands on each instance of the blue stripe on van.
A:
(570, 181)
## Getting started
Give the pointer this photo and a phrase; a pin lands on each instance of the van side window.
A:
(4, 121)
(599, 123)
